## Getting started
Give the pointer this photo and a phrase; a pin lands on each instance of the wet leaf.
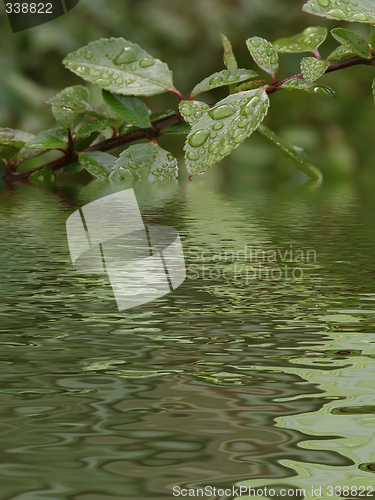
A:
(68, 117)
(192, 111)
(221, 78)
(12, 141)
(353, 42)
(160, 115)
(99, 124)
(128, 108)
(77, 105)
(361, 11)
(264, 54)
(315, 88)
(99, 164)
(224, 128)
(229, 57)
(249, 86)
(340, 53)
(294, 153)
(84, 141)
(145, 161)
(121, 67)
(313, 68)
(178, 128)
(45, 177)
(307, 41)
(48, 139)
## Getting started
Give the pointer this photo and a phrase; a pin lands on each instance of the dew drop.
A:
(88, 54)
(240, 138)
(192, 156)
(231, 78)
(78, 53)
(146, 62)
(255, 43)
(133, 67)
(222, 111)
(338, 14)
(324, 3)
(199, 138)
(243, 123)
(226, 150)
(213, 135)
(103, 82)
(127, 56)
(360, 17)
(216, 80)
(185, 110)
(218, 126)
(170, 157)
(226, 72)
(201, 151)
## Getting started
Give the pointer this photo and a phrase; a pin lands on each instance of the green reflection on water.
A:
(233, 377)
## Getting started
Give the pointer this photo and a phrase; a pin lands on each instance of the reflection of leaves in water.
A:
(354, 410)
(142, 373)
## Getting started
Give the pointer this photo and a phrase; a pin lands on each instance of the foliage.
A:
(125, 72)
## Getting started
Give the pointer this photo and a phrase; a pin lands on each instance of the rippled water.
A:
(256, 379)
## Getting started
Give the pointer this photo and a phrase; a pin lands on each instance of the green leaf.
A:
(307, 41)
(372, 36)
(84, 141)
(294, 153)
(178, 128)
(353, 42)
(97, 163)
(48, 139)
(229, 58)
(373, 89)
(340, 53)
(160, 115)
(128, 108)
(45, 177)
(12, 141)
(99, 124)
(145, 161)
(121, 67)
(264, 54)
(314, 88)
(249, 86)
(224, 128)
(192, 111)
(361, 11)
(77, 105)
(67, 117)
(221, 78)
(313, 68)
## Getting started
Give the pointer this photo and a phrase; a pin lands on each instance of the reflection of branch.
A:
(71, 156)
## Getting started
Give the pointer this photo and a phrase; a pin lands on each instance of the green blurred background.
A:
(335, 132)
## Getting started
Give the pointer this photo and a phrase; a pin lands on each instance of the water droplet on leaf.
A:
(222, 111)
(127, 56)
(216, 80)
(146, 62)
(199, 138)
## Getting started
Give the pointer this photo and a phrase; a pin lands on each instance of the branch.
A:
(143, 133)
(156, 129)
(347, 63)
